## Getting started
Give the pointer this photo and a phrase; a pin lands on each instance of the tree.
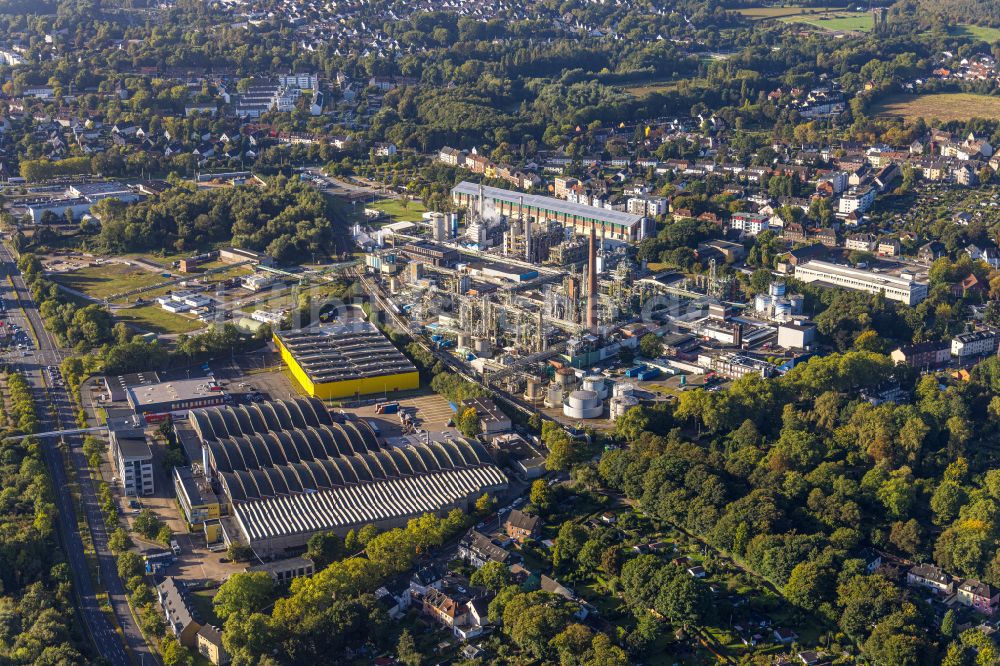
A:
(244, 593)
(324, 548)
(468, 423)
(541, 495)
(147, 524)
(631, 424)
(406, 650)
(494, 576)
(650, 346)
(119, 541)
(562, 452)
(948, 624)
(129, 564)
(173, 653)
(569, 541)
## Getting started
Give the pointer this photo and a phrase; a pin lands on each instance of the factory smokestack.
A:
(527, 230)
(592, 282)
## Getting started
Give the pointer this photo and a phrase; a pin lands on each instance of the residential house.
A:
(178, 612)
(210, 645)
(888, 247)
(931, 354)
(861, 242)
(478, 549)
(928, 252)
(975, 343)
(426, 578)
(521, 526)
(930, 577)
(979, 595)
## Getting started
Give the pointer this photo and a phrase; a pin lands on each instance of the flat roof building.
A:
(181, 395)
(133, 461)
(903, 288)
(344, 360)
(613, 224)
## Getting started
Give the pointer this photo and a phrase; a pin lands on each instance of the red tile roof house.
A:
(980, 596)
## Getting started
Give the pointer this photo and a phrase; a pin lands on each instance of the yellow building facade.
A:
(346, 388)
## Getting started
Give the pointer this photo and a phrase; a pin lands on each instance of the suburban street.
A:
(56, 411)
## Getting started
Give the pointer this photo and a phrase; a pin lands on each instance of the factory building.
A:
(344, 360)
(288, 471)
(903, 288)
(612, 224)
(156, 401)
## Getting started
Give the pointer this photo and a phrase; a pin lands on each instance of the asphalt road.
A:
(55, 411)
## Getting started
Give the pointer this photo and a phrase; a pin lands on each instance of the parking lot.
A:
(431, 412)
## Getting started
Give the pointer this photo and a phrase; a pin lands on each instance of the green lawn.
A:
(979, 32)
(202, 602)
(761, 13)
(157, 320)
(398, 210)
(941, 106)
(838, 21)
(105, 280)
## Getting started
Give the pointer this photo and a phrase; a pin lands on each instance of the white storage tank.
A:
(595, 383)
(583, 404)
(796, 301)
(554, 396)
(782, 309)
(623, 388)
(777, 289)
(761, 302)
(621, 404)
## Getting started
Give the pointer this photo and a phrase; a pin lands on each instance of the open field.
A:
(835, 21)
(942, 106)
(760, 13)
(157, 320)
(397, 211)
(107, 279)
(979, 32)
(642, 89)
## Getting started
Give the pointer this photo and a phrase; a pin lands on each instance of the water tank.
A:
(583, 405)
(782, 308)
(777, 289)
(621, 404)
(595, 383)
(623, 388)
(761, 302)
(796, 301)
(554, 396)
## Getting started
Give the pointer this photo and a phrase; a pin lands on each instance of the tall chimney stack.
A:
(527, 230)
(592, 283)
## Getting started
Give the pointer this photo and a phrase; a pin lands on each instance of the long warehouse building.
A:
(903, 288)
(289, 471)
(614, 224)
(345, 360)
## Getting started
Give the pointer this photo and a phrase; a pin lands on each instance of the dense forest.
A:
(795, 476)
(284, 218)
